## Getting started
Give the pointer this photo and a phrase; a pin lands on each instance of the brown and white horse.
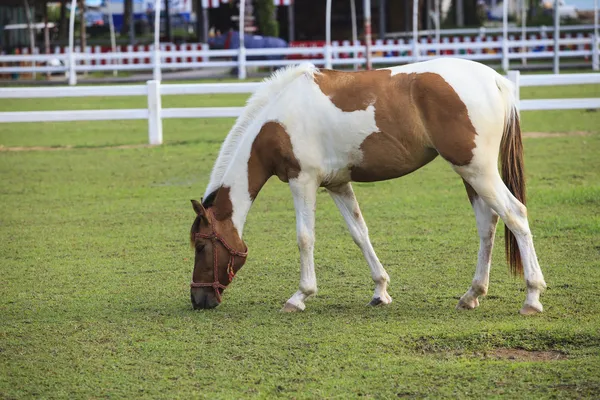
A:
(322, 128)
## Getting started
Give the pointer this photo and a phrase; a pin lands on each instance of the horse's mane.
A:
(269, 89)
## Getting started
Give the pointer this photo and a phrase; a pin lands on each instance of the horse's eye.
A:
(199, 247)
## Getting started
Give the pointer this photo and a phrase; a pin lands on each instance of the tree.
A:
(265, 13)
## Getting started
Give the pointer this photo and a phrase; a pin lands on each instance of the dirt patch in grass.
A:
(525, 355)
(554, 134)
(56, 148)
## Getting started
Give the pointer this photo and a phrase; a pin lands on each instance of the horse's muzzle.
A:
(203, 298)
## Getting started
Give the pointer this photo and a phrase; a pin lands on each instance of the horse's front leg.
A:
(344, 198)
(304, 189)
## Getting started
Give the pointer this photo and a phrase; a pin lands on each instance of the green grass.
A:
(95, 267)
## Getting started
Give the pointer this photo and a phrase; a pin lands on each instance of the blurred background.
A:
(42, 27)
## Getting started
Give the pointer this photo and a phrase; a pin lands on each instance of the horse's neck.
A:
(239, 188)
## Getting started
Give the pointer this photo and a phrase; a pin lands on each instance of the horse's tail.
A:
(513, 171)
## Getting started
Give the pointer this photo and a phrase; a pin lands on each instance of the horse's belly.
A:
(385, 157)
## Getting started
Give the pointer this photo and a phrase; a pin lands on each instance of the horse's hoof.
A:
(531, 309)
(375, 301)
(289, 307)
(464, 304)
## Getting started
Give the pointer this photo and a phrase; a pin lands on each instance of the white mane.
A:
(268, 90)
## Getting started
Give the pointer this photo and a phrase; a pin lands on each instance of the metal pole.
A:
(31, 34)
(596, 43)
(157, 68)
(505, 35)
(523, 29)
(354, 29)
(46, 34)
(556, 37)
(72, 76)
(46, 31)
(328, 63)
(242, 49)
(367, 6)
(415, 23)
(291, 24)
(113, 41)
(204, 25)
(437, 26)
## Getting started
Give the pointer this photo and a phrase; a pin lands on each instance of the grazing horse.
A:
(323, 128)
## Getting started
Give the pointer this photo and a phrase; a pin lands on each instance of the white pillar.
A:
(415, 27)
(155, 135)
(367, 6)
(505, 64)
(72, 73)
(437, 25)
(242, 49)
(156, 54)
(328, 63)
(113, 41)
(354, 28)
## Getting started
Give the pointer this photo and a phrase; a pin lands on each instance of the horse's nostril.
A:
(203, 298)
(198, 298)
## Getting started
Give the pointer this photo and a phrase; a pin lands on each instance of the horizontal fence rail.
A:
(154, 90)
(535, 45)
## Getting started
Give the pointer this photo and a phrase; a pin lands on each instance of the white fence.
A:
(343, 53)
(154, 113)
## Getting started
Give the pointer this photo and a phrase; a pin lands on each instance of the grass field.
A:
(95, 267)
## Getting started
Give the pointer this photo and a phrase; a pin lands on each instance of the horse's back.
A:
(383, 124)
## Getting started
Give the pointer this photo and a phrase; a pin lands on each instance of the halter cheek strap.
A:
(214, 237)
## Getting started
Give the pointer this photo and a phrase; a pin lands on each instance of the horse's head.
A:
(220, 253)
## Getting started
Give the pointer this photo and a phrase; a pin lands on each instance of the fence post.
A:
(515, 78)
(155, 135)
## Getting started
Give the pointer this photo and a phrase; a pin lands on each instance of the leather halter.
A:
(214, 238)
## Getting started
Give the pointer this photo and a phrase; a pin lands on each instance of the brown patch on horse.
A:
(418, 116)
(445, 117)
(271, 154)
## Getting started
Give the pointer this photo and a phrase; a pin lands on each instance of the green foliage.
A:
(473, 14)
(95, 265)
(265, 14)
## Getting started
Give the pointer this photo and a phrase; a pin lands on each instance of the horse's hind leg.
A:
(344, 198)
(489, 186)
(486, 226)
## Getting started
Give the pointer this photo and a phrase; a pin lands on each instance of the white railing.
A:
(154, 113)
(383, 52)
(483, 31)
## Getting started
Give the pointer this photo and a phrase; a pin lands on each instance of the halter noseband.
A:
(214, 238)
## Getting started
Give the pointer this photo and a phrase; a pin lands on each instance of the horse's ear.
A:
(199, 208)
